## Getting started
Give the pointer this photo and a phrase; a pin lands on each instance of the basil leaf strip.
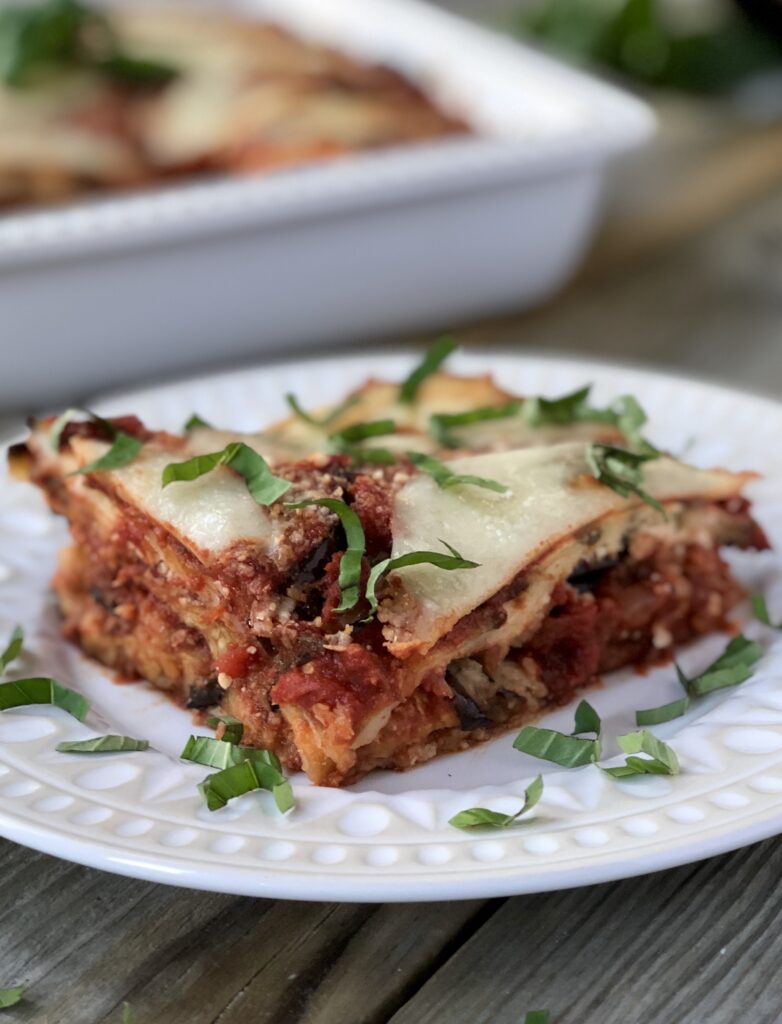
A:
(110, 744)
(662, 759)
(262, 484)
(441, 424)
(549, 745)
(664, 713)
(246, 777)
(361, 431)
(373, 456)
(42, 690)
(760, 611)
(233, 730)
(431, 362)
(620, 470)
(13, 648)
(124, 449)
(587, 719)
(195, 422)
(442, 561)
(734, 665)
(445, 478)
(60, 424)
(537, 1017)
(481, 816)
(127, 1014)
(11, 996)
(350, 563)
(323, 421)
(220, 753)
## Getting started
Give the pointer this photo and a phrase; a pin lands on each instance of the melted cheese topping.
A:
(552, 495)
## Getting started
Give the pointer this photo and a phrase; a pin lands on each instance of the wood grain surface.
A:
(688, 275)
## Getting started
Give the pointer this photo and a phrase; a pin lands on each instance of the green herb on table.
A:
(647, 40)
(447, 562)
(127, 1014)
(43, 690)
(262, 484)
(444, 477)
(621, 470)
(13, 648)
(195, 422)
(537, 1017)
(66, 34)
(11, 996)
(476, 817)
(661, 759)
(350, 564)
(566, 751)
(431, 362)
(111, 744)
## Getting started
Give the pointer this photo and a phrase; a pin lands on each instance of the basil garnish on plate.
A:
(111, 744)
(13, 648)
(11, 996)
(760, 611)
(663, 713)
(437, 558)
(476, 817)
(195, 422)
(734, 666)
(43, 690)
(124, 447)
(233, 730)
(537, 1017)
(431, 362)
(350, 563)
(262, 484)
(445, 477)
(566, 751)
(322, 421)
(441, 424)
(246, 777)
(620, 469)
(661, 759)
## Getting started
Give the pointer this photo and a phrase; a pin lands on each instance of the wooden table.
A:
(688, 274)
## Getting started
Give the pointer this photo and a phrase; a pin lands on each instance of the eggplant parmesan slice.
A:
(218, 599)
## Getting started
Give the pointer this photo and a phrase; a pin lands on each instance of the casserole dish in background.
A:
(127, 287)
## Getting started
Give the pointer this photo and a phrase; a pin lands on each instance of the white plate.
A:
(388, 838)
(385, 241)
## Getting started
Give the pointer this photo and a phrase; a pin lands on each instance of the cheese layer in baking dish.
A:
(193, 94)
(542, 582)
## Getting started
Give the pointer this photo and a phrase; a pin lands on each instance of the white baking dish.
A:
(124, 288)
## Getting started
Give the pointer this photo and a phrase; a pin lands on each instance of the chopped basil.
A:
(124, 449)
(431, 362)
(734, 665)
(127, 1014)
(196, 422)
(233, 730)
(441, 424)
(549, 745)
(42, 690)
(350, 563)
(537, 1017)
(323, 421)
(445, 478)
(760, 611)
(587, 719)
(442, 561)
(67, 34)
(13, 648)
(11, 996)
(620, 470)
(110, 744)
(664, 713)
(363, 456)
(215, 753)
(262, 772)
(543, 412)
(362, 431)
(481, 816)
(262, 484)
(662, 760)
(566, 751)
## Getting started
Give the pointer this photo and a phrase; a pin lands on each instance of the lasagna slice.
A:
(373, 616)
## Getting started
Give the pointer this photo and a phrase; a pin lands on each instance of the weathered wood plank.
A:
(695, 945)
